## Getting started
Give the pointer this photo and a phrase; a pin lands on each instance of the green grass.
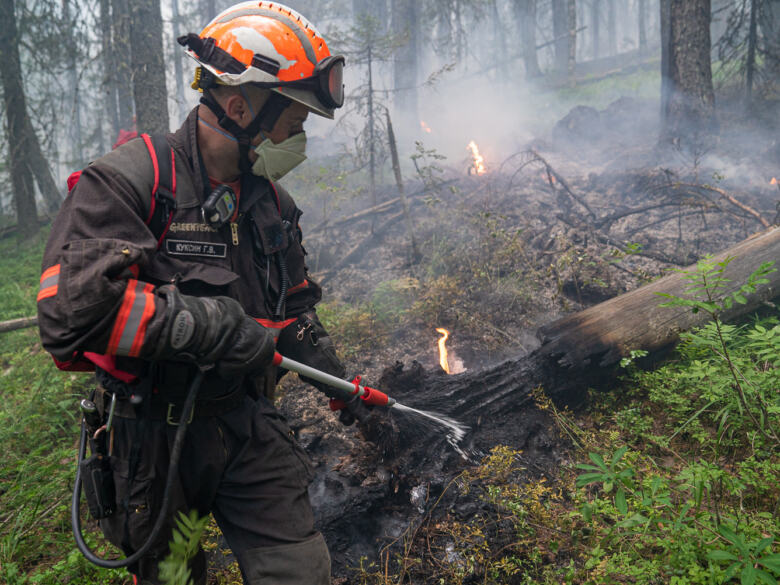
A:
(38, 434)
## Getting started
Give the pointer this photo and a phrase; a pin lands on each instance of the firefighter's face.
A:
(289, 123)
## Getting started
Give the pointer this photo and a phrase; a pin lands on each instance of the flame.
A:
(479, 161)
(773, 181)
(445, 365)
(425, 126)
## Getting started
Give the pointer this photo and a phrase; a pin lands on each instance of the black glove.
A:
(350, 409)
(213, 330)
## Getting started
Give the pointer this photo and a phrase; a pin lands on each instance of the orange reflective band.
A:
(49, 282)
(298, 287)
(136, 311)
(277, 326)
(271, 324)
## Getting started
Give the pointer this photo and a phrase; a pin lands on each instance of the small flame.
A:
(445, 365)
(773, 181)
(479, 160)
(425, 127)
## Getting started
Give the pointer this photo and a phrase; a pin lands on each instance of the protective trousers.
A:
(247, 470)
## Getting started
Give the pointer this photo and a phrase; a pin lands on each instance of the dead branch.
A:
(21, 323)
(379, 208)
(357, 251)
(731, 199)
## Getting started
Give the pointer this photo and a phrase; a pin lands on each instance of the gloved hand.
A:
(213, 330)
(351, 409)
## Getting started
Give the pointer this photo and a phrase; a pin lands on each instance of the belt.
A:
(170, 412)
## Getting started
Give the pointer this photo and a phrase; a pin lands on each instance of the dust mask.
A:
(276, 160)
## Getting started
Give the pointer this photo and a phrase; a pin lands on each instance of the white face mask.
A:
(276, 160)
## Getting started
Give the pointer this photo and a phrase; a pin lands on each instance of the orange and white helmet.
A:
(269, 45)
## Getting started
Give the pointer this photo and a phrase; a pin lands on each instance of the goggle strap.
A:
(208, 52)
(269, 114)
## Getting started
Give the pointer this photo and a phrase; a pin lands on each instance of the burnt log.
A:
(367, 495)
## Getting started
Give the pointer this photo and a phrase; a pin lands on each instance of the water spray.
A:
(455, 430)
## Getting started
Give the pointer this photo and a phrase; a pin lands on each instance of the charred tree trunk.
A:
(687, 96)
(578, 352)
(525, 11)
(406, 25)
(148, 67)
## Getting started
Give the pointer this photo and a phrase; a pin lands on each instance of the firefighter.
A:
(183, 253)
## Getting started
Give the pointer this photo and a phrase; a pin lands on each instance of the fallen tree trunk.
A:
(635, 320)
(368, 502)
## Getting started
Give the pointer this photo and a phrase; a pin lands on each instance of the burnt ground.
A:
(568, 221)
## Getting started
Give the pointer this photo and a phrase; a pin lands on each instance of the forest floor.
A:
(682, 484)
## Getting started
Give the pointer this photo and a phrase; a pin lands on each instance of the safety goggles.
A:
(327, 82)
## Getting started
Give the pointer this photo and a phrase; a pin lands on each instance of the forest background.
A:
(444, 195)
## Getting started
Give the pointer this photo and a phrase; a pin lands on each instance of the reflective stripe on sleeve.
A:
(298, 287)
(136, 310)
(49, 282)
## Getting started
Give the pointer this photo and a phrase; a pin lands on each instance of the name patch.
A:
(188, 248)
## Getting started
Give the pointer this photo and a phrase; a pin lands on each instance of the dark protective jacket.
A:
(102, 263)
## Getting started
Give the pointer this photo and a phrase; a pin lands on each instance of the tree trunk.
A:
(560, 15)
(612, 27)
(572, 14)
(595, 22)
(687, 96)
(39, 166)
(16, 122)
(525, 11)
(109, 68)
(642, 24)
(770, 28)
(401, 192)
(750, 64)
(148, 67)
(406, 25)
(178, 54)
(499, 51)
(122, 54)
(76, 142)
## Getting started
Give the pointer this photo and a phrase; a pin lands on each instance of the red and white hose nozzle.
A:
(370, 396)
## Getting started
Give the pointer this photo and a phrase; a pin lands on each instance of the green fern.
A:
(174, 569)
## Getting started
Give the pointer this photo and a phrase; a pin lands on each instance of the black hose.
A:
(173, 470)
(284, 277)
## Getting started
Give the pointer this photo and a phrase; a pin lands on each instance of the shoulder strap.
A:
(163, 201)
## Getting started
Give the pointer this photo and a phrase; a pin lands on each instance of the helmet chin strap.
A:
(265, 120)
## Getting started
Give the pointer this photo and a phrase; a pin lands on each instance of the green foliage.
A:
(174, 568)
